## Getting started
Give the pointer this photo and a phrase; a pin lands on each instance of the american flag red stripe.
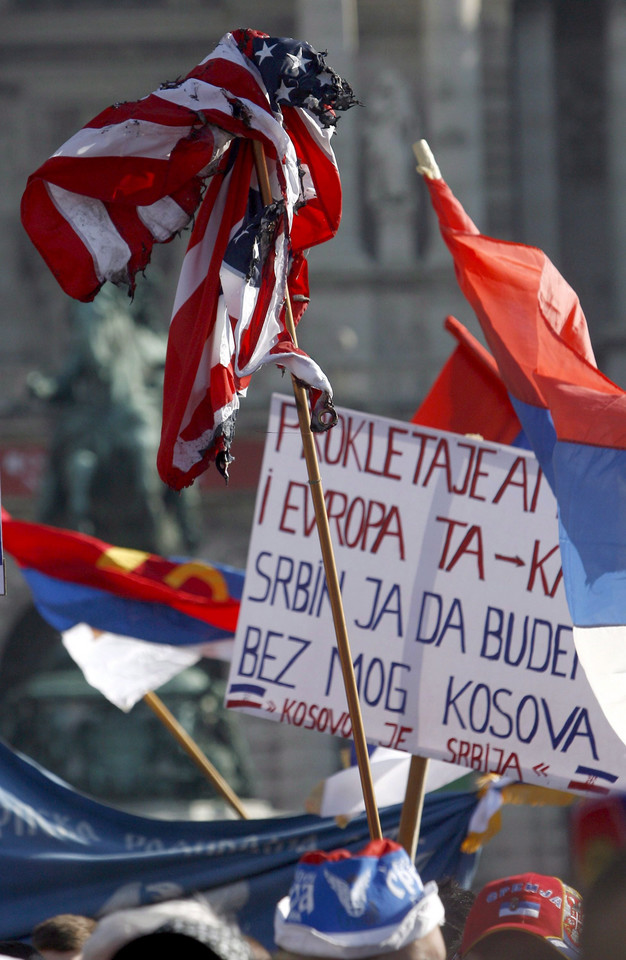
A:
(138, 172)
(324, 207)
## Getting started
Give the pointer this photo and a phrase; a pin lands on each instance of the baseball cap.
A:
(356, 905)
(539, 905)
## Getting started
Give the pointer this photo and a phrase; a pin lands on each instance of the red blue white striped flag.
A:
(75, 578)
(575, 420)
(139, 172)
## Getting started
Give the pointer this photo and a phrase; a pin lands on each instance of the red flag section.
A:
(468, 395)
(531, 317)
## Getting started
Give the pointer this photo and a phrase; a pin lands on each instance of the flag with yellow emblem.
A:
(75, 578)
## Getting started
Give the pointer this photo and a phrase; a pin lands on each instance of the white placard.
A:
(447, 553)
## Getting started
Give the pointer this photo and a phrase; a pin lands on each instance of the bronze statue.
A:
(101, 476)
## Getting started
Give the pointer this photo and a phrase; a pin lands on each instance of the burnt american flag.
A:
(142, 171)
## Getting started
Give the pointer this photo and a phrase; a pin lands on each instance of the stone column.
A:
(331, 25)
(451, 56)
(390, 183)
(614, 361)
(535, 124)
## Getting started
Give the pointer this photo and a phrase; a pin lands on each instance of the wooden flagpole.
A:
(411, 816)
(330, 569)
(190, 746)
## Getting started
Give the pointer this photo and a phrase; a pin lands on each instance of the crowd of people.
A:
(372, 904)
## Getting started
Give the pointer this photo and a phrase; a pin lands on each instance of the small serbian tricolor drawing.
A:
(518, 908)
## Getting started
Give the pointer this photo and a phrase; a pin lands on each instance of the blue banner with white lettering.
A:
(63, 852)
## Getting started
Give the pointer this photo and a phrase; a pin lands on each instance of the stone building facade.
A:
(523, 103)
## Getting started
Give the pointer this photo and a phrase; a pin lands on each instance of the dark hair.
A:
(457, 903)
(65, 931)
(165, 943)
(602, 933)
(610, 880)
(15, 948)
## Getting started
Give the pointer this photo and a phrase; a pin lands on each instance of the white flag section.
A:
(602, 652)
(342, 794)
(448, 557)
(125, 669)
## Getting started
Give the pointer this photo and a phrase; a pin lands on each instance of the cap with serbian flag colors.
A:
(539, 905)
(356, 905)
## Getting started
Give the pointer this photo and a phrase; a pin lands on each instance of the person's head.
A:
(185, 928)
(528, 916)
(371, 904)
(62, 937)
(257, 950)
(604, 929)
(457, 902)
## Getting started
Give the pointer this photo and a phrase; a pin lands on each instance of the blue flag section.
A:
(64, 604)
(63, 852)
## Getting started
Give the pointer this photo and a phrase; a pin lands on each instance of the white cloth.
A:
(427, 914)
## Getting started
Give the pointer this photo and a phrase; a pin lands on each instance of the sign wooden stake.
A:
(330, 569)
(411, 816)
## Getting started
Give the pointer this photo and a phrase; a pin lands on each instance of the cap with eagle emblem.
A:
(356, 905)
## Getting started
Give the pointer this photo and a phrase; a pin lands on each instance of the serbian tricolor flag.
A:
(141, 171)
(75, 578)
(573, 416)
(468, 395)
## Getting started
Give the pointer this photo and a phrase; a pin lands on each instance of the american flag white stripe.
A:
(228, 50)
(320, 135)
(134, 138)
(303, 368)
(91, 221)
(198, 257)
(163, 218)
(218, 348)
(205, 98)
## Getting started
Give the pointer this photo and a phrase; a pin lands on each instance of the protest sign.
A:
(448, 557)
